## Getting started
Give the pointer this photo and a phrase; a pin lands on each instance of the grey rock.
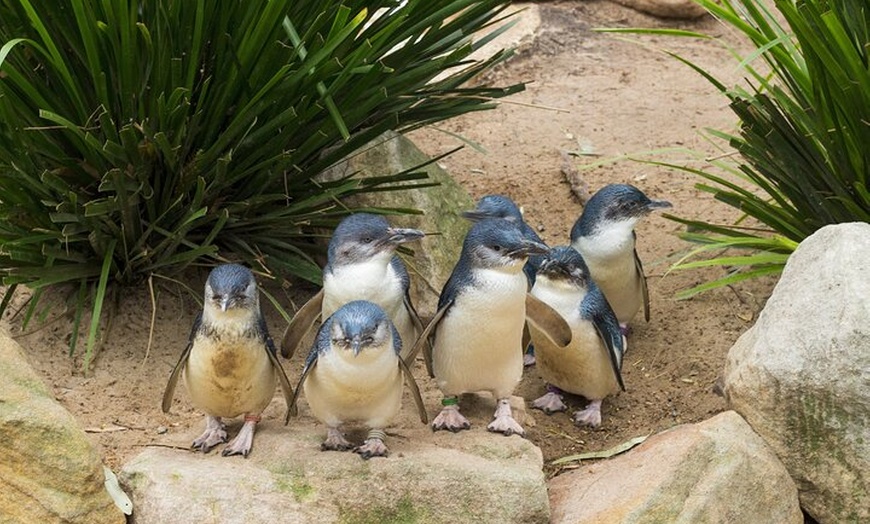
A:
(801, 375)
(474, 476)
(434, 256)
(717, 471)
(50, 471)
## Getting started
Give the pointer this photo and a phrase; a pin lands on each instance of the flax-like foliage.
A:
(137, 138)
(803, 137)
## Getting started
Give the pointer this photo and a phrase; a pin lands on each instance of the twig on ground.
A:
(579, 187)
(106, 430)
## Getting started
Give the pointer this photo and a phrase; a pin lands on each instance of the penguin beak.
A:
(400, 236)
(356, 345)
(658, 204)
(225, 303)
(528, 247)
(475, 215)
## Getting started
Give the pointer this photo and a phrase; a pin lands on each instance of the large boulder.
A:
(435, 256)
(50, 471)
(717, 471)
(801, 375)
(474, 476)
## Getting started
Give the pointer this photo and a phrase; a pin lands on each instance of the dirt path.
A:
(589, 92)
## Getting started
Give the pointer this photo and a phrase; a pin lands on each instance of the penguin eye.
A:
(368, 340)
(496, 248)
(217, 297)
(367, 240)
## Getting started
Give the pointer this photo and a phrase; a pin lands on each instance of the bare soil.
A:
(589, 92)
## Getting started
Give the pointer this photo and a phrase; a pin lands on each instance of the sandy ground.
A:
(587, 92)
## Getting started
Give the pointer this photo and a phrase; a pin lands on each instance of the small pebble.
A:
(162, 429)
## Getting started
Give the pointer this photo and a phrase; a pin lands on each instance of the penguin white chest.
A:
(477, 344)
(228, 375)
(365, 388)
(610, 258)
(372, 280)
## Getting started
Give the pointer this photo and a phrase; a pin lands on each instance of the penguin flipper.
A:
(611, 350)
(638, 265)
(423, 341)
(412, 312)
(607, 327)
(300, 325)
(548, 321)
(418, 326)
(286, 388)
(169, 392)
(415, 391)
(312, 361)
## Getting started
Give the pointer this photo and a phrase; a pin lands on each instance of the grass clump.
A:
(804, 127)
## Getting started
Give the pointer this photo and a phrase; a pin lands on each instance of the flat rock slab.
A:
(717, 471)
(472, 476)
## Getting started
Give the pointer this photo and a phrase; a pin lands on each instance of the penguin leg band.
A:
(449, 401)
(252, 418)
(377, 434)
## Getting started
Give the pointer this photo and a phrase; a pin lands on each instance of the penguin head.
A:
(359, 326)
(494, 206)
(231, 288)
(614, 205)
(363, 236)
(563, 264)
(499, 243)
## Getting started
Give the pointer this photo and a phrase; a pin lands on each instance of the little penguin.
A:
(590, 365)
(361, 265)
(230, 366)
(478, 326)
(354, 374)
(604, 234)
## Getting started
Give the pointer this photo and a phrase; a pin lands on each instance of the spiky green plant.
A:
(803, 137)
(137, 138)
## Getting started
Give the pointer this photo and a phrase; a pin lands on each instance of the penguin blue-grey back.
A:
(354, 373)
(229, 366)
(362, 265)
(590, 365)
(604, 234)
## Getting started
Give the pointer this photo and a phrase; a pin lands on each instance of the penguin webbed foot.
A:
(450, 419)
(241, 445)
(550, 403)
(335, 441)
(213, 435)
(504, 422)
(589, 416)
(373, 446)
